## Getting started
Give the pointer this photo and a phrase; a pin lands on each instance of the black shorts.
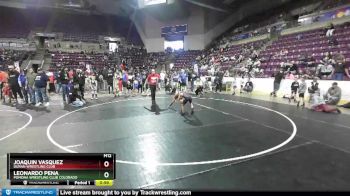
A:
(294, 91)
(125, 84)
(301, 95)
(187, 99)
(326, 73)
(183, 84)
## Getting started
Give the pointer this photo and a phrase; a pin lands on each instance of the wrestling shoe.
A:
(339, 112)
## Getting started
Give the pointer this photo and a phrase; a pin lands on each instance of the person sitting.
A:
(75, 99)
(319, 105)
(333, 94)
(325, 68)
(168, 88)
(248, 87)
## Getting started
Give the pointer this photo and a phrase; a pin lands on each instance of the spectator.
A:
(52, 83)
(313, 89)
(100, 80)
(277, 82)
(248, 86)
(162, 77)
(80, 79)
(330, 30)
(31, 80)
(339, 70)
(234, 85)
(64, 80)
(13, 82)
(3, 80)
(110, 80)
(125, 78)
(199, 86)
(93, 86)
(40, 88)
(325, 68)
(6, 92)
(294, 89)
(23, 84)
(116, 78)
(183, 80)
(347, 70)
(58, 81)
(333, 95)
(302, 91)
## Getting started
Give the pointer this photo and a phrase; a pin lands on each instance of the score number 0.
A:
(106, 164)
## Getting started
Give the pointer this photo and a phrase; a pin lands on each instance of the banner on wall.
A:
(326, 16)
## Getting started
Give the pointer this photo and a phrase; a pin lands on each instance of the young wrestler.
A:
(294, 89)
(183, 98)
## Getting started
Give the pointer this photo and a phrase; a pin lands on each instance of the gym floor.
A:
(229, 143)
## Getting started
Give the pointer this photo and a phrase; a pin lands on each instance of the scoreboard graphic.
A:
(83, 169)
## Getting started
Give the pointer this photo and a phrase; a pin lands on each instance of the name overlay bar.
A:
(57, 168)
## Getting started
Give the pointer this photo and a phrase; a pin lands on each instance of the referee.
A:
(153, 81)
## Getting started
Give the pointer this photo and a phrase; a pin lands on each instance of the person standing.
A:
(162, 77)
(64, 81)
(23, 83)
(242, 85)
(116, 78)
(93, 86)
(144, 78)
(110, 80)
(294, 90)
(338, 71)
(153, 81)
(313, 89)
(125, 78)
(234, 86)
(58, 81)
(13, 82)
(277, 82)
(52, 83)
(40, 84)
(3, 80)
(80, 77)
(183, 80)
(302, 91)
(139, 79)
(31, 80)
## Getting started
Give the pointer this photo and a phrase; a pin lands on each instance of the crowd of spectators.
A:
(9, 57)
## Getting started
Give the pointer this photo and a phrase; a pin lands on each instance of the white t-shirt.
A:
(234, 83)
(162, 76)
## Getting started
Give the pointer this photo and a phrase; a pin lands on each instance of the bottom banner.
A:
(121, 192)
